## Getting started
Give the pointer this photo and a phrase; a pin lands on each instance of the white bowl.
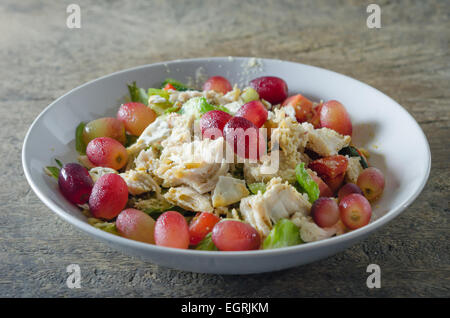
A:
(396, 143)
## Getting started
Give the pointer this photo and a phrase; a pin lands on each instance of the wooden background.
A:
(40, 59)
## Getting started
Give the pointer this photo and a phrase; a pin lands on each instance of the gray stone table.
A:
(40, 59)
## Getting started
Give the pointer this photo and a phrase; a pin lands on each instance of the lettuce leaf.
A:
(80, 146)
(199, 106)
(206, 244)
(137, 94)
(306, 183)
(258, 186)
(284, 233)
(178, 85)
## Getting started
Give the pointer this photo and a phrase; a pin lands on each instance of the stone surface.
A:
(40, 59)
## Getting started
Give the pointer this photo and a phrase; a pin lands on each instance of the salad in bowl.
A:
(221, 168)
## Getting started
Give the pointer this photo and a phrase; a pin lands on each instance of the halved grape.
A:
(75, 183)
(325, 212)
(218, 84)
(355, 211)
(371, 181)
(135, 117)
(104, 127)
(232, 235)
(109, 196)
(272, 89)
(136, 225)
(254, 111)
(107, 152)
(171, 230)
(347, 189)
(333, 115)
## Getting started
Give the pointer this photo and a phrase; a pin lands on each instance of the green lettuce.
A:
(284, 233)
(137, 94)
(256, 187)
(353, 152)
(206, 244)
(178, 85)
(306, 183)
(199, 106)
(80, 146)
(54, 171)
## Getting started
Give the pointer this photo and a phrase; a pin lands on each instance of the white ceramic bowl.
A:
(396, 142)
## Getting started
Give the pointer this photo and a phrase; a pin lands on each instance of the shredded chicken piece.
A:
(189, 199)
(327, 142)
(228, 190)
(354, 169)
(139, 181)
(280, 200)
(178, 98)
(198, 164)
(97, 172)
(288, 141)
(309, 231)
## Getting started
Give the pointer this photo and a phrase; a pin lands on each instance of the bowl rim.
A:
(115, 239)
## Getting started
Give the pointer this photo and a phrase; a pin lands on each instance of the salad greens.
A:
(207, 244)
(306, 183)
(256, 187)
(104, 226)
(284, 233)
(54, 171)
(176, 84)
(198, 106)
(79, 143)
(353, 152)
(138, 95)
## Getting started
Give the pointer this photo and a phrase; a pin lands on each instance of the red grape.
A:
(201, 224)
(347, 189)
(231, 235)
(324, 189)
(218, 84)
(325, 212)
(253, 111)
(272, 89)
(136, 117)
(212, 123)
(107, 152)
(355, 211)
(171, 230)
(136, 225)
(109, 196)
(75, 183)
(333, 115)
(104, 127)
(371, 182)
(245, 138)
(303, 107)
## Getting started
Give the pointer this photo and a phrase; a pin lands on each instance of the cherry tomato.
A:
(201, 224)
(303, 107)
